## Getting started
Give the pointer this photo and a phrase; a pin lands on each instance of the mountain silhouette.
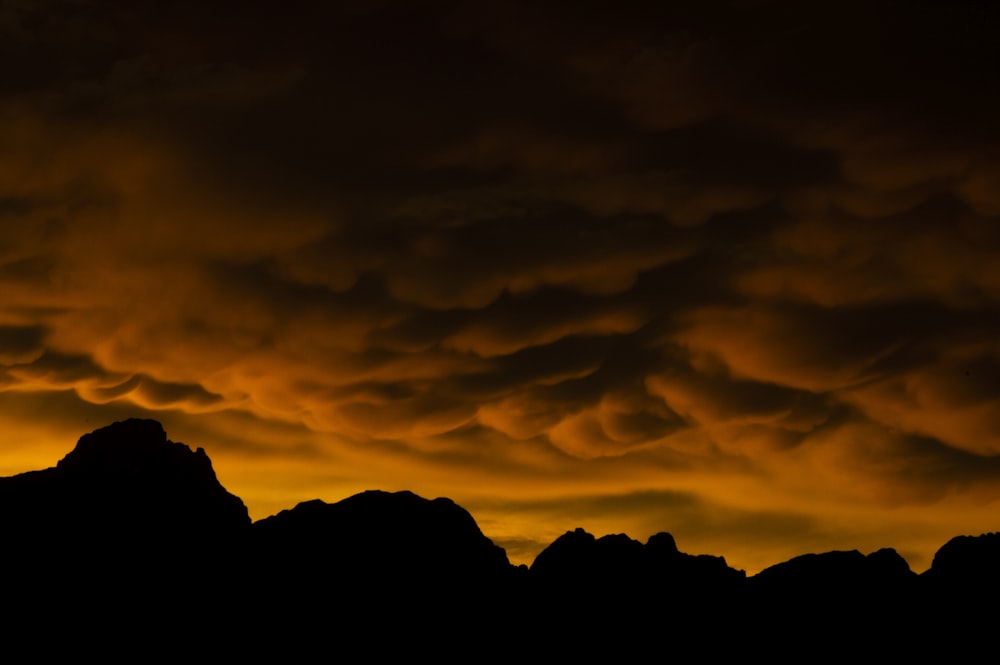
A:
(385, 564)
(626, 596)
(835, 574)
(124, 489)
(125, 525)
(966, 561)
(132, 534)
(398, 536)
(616, 564)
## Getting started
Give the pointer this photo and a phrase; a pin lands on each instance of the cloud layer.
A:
(524, 256)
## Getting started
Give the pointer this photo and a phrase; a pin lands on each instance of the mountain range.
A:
(130, 542)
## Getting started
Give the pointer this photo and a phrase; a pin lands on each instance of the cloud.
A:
(952, 400)
(459, 259)
(19, 344)
(804, 347)
(709, 399)
(520, 248)
(882, 464)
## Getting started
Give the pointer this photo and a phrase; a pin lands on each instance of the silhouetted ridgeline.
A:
(131, 540)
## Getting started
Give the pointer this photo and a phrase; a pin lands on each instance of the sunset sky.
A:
(724, 269)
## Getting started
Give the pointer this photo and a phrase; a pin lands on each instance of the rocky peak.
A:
(123, 482)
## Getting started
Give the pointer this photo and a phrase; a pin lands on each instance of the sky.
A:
(722, 269)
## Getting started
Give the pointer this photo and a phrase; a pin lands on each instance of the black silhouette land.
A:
(131, 548)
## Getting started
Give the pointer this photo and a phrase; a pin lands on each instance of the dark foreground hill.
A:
(130, 546)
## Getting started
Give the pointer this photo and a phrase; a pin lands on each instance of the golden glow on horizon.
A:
(754, 522)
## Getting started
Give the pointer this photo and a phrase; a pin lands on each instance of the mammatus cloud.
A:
(521, 252)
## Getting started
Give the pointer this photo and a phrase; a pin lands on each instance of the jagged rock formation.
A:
(967, 560)
(139, 528)
(126, 482)
(124, 527)
(619, 565)
(125, 496)
(624, 596)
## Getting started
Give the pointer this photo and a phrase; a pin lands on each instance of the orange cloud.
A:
(696, 260)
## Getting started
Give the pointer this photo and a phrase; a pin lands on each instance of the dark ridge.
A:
(124, 484)
(959, 591)
(131, 534)
(966, 561)
(617, 560)
(391, 570)
(625, 596)
(391, 535)
(834, 574)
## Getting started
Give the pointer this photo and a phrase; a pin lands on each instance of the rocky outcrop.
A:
(613, 562)
(123, 487)
(968, 562)
(382, 536)
(140, 527)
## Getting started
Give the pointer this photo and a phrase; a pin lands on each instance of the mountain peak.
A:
(124, 482)
(129, 447)
(403, 528)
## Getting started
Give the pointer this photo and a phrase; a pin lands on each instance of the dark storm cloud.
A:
(20, 343)
(446, 258)
(626, 239)
(51, 371)
(54, 371)
(152, 394)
